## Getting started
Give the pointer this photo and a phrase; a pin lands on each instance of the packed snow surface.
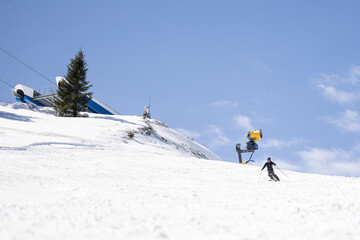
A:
(86, 178)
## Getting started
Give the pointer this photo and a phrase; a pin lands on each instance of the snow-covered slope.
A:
(85, 178)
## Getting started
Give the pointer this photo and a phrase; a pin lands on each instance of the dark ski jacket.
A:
(269, 166)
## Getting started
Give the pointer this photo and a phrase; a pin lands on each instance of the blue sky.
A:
(214, 69)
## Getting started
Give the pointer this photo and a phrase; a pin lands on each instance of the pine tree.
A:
(72, 90)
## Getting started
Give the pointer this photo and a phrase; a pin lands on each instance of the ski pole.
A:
(281, 171)
(260, 175)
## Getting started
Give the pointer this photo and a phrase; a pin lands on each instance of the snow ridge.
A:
(104, 131)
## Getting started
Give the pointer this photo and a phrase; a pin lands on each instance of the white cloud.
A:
(332, 79)
(280, 163)
(329, 86)
(339, 96)
(285, 165)
(188, 133)
(213, 136)
(331, 161)
(348, 121)
(215, 129)
(273, 143)
(219, 141)
(243, 122)
(277, 143)
(340, 88)
(217, 137)
(352, 76)
(225, 103)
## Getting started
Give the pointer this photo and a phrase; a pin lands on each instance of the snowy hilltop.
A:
(28, 128)
(123, 177)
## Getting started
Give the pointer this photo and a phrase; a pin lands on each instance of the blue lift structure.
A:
(28, 95)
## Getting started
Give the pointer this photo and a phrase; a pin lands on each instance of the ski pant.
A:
(273, 176)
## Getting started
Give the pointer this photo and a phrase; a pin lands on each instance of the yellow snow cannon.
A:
(251, 145)
(255, 135)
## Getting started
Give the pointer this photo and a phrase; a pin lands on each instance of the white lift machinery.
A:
(30, 96)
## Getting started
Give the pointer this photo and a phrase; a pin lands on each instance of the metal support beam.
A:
(240, 151)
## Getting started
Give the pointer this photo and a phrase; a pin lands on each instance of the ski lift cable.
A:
(27, 65)
(6, 83)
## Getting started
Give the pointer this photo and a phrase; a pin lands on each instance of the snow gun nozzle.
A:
(255, 135)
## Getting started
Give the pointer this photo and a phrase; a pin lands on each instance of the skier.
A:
(270, 169)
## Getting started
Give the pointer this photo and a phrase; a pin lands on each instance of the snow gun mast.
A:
(251, 145)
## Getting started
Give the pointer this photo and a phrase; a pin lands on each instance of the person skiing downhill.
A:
(270, 169)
